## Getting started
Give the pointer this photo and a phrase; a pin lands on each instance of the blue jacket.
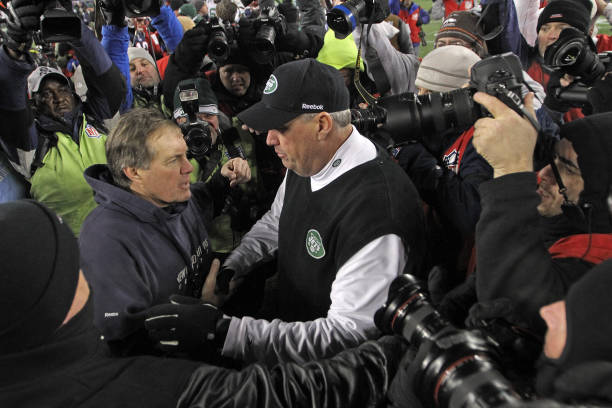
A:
(116, 41)
(135, 254)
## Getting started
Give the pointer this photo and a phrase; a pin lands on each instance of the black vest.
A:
(319, 231)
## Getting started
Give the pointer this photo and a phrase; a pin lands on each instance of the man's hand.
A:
(113, 12)
(25, 18)
(601, 5)
(219, 285)
(185, 325)
(257, 132)
(237, 171)
(507, 140)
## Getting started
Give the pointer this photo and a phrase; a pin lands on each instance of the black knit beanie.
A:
(588, 306)
(39, 271)
(572, 12)
(592, 141)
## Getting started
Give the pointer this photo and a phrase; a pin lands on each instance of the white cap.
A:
(39, 74)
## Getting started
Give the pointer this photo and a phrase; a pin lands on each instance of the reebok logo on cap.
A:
(295, 88)
(312, 107)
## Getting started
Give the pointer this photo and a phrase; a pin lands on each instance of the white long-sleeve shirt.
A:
(359, 289)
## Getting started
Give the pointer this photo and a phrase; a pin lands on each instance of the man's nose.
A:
(187, 167)
(547, 175)
(271, 138)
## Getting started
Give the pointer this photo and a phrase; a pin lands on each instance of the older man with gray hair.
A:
(147, 239)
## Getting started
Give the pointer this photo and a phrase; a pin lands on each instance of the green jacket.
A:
(59, 183)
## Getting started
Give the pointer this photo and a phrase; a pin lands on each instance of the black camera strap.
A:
(382, 84)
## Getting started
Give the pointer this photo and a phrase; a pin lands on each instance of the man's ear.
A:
(132, 173)
(325, 124)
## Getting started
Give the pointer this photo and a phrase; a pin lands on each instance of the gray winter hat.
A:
(137, 52)
(446, 68)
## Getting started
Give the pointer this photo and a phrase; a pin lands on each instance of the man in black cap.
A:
(52, 356)
(345, 222)
(553, 19)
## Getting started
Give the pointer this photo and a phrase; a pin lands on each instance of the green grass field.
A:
(434, 26)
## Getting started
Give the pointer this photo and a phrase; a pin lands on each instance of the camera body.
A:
(269, 25)
(197, 133)
(344, 18)
(223, 38)
(575, 54)
(408, 117)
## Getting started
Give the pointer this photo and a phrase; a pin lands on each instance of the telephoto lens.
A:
(453, 368)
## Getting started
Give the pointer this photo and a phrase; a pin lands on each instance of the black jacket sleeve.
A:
(354, 378)
(455, 197)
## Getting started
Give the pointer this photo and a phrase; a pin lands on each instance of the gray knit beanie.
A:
(446, 68)
(137, 52)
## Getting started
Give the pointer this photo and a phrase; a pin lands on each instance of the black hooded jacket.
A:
(513, 240)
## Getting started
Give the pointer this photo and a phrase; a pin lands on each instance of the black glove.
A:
(600, 95)
(421, 166)
(192, 48)
(498, 308)
(224, 277)
(552, 87)
(185, 325)
(113, 12)
(25, 18)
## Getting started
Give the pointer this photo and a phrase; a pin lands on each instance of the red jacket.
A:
(453, 5)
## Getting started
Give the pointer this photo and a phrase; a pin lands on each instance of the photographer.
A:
(208, 161)
(447, 170)
(555, 17)
(52, 144)
(392, 71)
(564, 231)
(144, 85)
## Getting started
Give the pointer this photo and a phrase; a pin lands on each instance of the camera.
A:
(222, 39)
(197, 133)
(269, 25)
(408, 117)
(56, 23)
(344, 18)
(452, 367)
(575, 54)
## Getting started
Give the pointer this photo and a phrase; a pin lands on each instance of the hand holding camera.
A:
(507, 140)
(113, 12)
(24, 18)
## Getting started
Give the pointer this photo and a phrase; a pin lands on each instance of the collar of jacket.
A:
(107, 192)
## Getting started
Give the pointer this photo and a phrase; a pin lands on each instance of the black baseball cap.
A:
(295, 88)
